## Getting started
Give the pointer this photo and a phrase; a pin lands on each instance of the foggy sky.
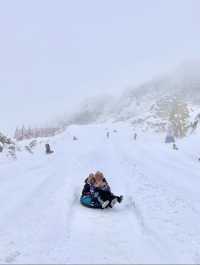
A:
(54, 53)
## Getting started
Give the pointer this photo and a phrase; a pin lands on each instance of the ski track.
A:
(42, 221)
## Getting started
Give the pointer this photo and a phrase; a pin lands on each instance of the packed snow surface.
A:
(42, 221)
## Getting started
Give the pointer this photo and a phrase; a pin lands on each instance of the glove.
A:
(96, 194)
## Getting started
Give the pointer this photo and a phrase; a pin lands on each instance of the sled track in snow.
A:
(132, 204)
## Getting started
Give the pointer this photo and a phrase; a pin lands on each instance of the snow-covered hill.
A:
(143, 105)
(41, 220)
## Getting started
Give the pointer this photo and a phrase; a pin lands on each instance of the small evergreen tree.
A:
(179, 118)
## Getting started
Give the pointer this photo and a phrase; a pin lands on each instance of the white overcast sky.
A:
(55, 52)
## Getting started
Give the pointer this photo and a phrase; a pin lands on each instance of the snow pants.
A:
(106, 195)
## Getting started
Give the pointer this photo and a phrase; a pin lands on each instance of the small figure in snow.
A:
(108, 135)
(48, 149)
(135, 136)
(175, 146)
(75, 138)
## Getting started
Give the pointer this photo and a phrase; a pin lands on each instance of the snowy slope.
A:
(41, 220)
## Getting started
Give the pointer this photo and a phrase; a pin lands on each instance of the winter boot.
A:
(113, 202)
(120, 199)
(104, 204)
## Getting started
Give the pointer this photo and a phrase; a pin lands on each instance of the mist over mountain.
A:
(184, 83)
(143, 105)
(146, 106)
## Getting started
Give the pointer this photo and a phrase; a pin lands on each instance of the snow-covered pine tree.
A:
(16, 134)
(179, 118)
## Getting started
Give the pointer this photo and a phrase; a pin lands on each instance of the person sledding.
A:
(97, 193)
(88, 197)
(89, 187)
(105, 196)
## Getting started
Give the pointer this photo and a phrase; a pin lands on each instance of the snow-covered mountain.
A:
(148, 105)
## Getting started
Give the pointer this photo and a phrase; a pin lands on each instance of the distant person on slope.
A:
(108, 134)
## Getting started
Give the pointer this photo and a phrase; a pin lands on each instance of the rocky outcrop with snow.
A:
(169, 102)
(7, 146)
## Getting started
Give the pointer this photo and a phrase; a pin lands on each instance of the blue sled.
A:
(90, 202)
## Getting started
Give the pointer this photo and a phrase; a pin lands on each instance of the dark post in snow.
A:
(107, 134)
(48, 149)
(1, 147)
